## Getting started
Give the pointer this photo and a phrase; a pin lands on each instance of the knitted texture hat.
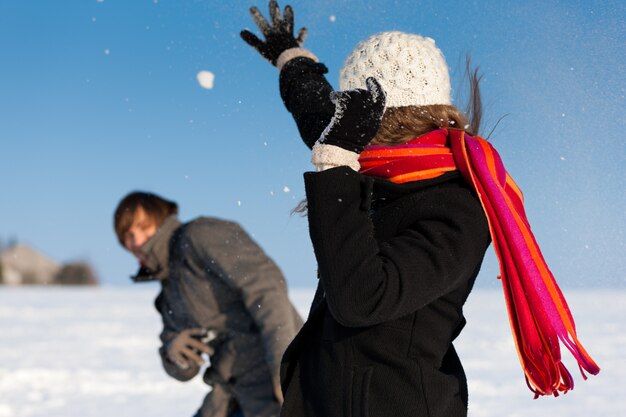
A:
(410, 68)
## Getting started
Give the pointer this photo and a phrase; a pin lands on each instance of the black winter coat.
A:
(396, 264)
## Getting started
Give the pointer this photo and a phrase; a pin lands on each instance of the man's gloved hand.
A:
(278, 35)
(357, 118)
(186, 348)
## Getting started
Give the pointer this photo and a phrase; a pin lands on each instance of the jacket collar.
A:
(157, 251)
(385, 191)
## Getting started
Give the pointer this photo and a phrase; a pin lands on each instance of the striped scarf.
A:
(538, 313)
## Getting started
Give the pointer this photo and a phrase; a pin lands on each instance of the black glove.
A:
(357, 118)
(278, 36)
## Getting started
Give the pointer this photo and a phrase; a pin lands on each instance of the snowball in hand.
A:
(205, 79)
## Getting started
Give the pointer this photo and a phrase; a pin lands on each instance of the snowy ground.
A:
(92, 353)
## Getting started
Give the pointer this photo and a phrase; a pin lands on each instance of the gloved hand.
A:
(186, 348)
(278, 36)
(357, 118)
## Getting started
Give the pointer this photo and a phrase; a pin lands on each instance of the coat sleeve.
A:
(368, 282)
(168, 333)
(306, 94)
(263, 290)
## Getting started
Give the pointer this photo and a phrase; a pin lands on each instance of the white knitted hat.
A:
(410, 68)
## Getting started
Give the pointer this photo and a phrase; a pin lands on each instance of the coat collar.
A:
(385, 191)
(157, 251)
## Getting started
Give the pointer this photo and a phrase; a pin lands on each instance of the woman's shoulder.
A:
(450, 184)
(438, 199)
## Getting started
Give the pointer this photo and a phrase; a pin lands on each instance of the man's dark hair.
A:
(156, 207)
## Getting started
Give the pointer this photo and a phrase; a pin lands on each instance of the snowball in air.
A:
(332, 18)
(205, 79)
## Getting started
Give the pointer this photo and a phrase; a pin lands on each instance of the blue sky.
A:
(99, 98)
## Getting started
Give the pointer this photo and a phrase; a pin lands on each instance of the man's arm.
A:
(180, 371)
(238, 259)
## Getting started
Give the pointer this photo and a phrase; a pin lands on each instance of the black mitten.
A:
(278, 35)
(357, 118)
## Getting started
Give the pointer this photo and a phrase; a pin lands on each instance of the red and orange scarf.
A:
(538, 313)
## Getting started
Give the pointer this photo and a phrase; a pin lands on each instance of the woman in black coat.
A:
(396, 260)
(401, 210)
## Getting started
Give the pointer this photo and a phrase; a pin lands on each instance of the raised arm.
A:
(303, 87)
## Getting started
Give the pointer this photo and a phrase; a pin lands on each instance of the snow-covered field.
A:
(92, 353)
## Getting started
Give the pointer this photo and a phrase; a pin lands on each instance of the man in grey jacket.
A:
(221, 295)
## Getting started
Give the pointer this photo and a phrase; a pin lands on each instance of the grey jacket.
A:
(213, 275)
